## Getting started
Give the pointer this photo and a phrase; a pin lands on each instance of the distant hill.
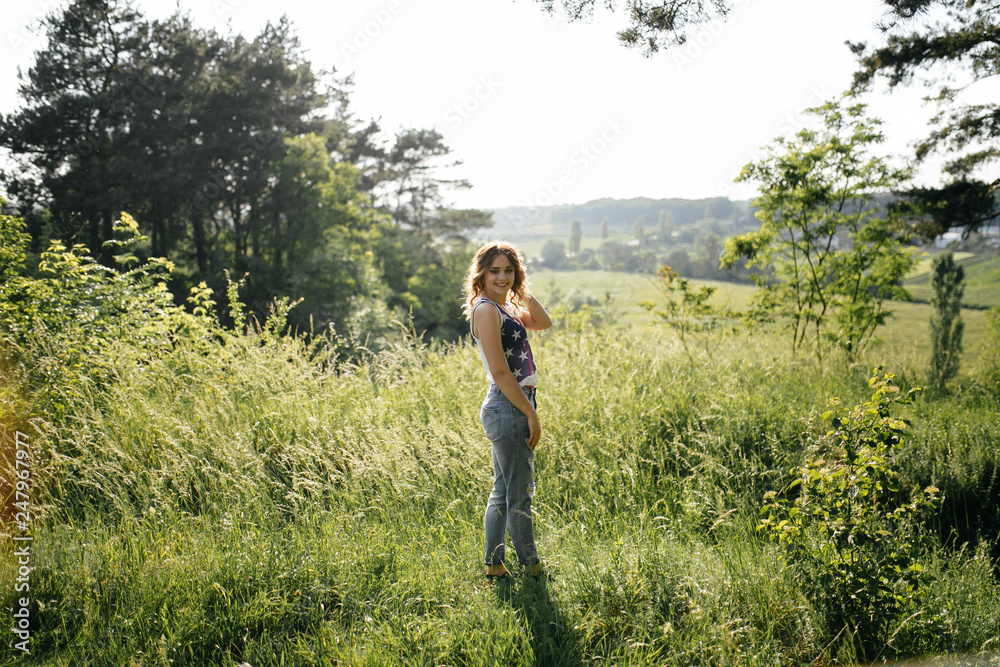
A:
(621, 214)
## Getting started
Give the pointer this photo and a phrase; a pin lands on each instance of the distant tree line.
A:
(687, 235)
(235, 156)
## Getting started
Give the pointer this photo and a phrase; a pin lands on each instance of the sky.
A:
(542, 111)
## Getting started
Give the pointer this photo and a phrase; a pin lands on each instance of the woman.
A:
(500, 311)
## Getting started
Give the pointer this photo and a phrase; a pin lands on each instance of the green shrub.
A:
(69, 319)
(853, 533)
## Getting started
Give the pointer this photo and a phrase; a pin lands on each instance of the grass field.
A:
(906, 333)
(982, 280)
(245, 498)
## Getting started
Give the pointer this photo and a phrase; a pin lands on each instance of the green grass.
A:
(906, 334)
(237, 501)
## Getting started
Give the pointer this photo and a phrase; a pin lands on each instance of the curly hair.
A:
(475, 280)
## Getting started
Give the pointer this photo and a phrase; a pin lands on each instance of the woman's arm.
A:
(486, 325)
(533, 314)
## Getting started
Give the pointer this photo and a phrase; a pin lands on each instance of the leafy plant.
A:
(688, 312)
(64, 317)
(835, 253)
(852, 532)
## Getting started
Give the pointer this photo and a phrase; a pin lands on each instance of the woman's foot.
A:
(497, 571)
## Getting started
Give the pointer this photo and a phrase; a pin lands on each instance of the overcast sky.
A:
(544, 111)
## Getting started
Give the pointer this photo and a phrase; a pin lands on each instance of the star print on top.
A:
(514, 340)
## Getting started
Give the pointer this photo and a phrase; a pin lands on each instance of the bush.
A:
(68, 319)
(853, 533)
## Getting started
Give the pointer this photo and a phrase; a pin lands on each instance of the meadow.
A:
(252, 498)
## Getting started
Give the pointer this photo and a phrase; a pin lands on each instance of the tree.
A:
(222, 150)
(946, 321)
(604, 228)
(575, 236)
(832, 246)
(963, 47)
(159, 118)
(639, 230)
(707, 249)
(71, 130)
(655, 25)
(666, 226)
(554, 254)
(679, 260)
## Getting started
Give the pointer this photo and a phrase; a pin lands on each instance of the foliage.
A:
(967, 38)
(852, 531)
(688, 311)
(958, 43)
(965, 203)
(575, 236)
(835, 252)
(946, 322)
(654, 25)
(221, 147)
(554, 255)
(70, 319)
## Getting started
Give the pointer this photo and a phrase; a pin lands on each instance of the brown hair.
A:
(475, 280)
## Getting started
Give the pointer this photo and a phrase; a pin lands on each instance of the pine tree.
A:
(575, 236)
(946, 322)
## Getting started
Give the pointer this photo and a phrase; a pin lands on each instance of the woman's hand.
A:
(534, 430)
(533, 313)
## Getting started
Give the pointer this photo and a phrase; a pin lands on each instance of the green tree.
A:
(946, 321)
(554, 254)
(70, 135)
(639, 230)
(575, 236)
(847, 525)
(707, 250)
(833, 249)
(604, 228)
(159, 118)
(666, 226)
(679, 260)
(959, 49)
(654, 25)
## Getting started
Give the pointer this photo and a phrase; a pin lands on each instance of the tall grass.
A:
(235, 500)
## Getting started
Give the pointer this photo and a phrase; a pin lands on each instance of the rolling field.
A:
(907, 333)
(982, 280)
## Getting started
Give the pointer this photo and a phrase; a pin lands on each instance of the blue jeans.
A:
(509, 506)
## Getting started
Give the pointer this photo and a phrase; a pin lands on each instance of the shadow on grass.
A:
(552, 639)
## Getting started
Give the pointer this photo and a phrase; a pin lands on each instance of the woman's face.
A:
(499, 278)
